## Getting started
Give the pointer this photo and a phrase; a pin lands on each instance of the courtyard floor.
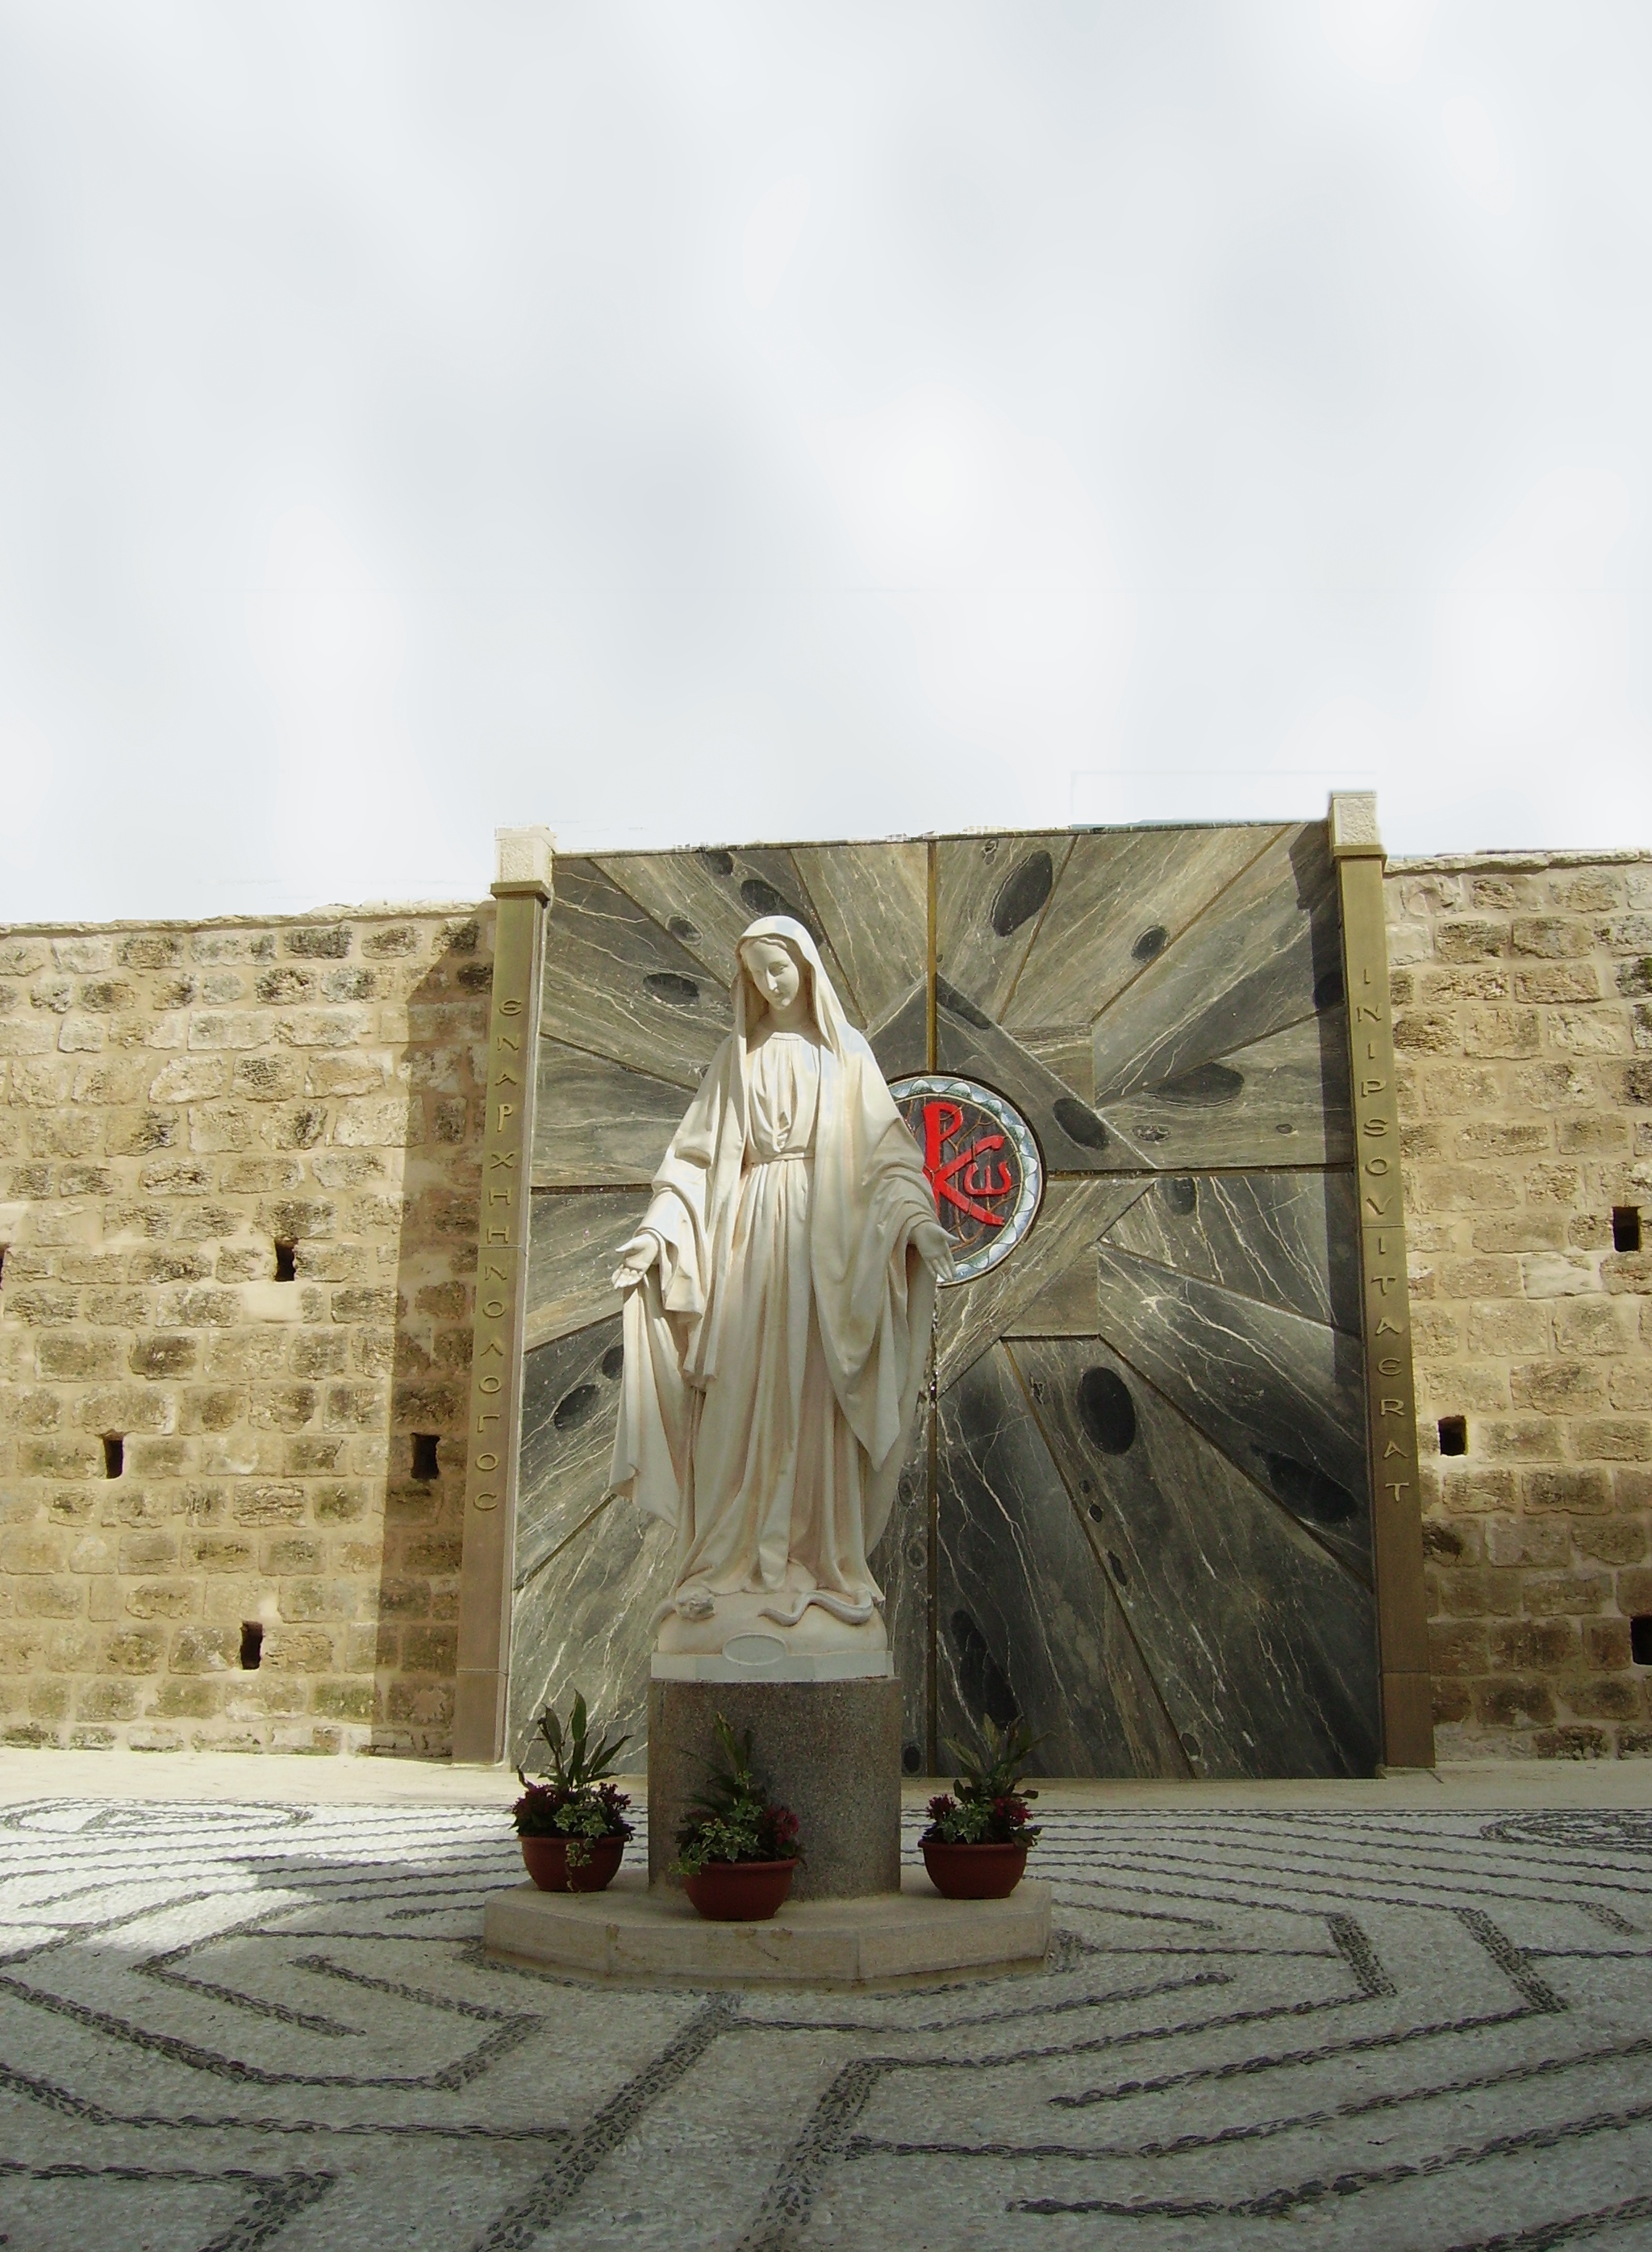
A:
(243, 2004)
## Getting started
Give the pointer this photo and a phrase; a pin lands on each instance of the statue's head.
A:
(776, 968)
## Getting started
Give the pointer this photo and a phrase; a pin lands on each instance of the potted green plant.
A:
(736, 1850)
(573, 1827)
(977, 1845)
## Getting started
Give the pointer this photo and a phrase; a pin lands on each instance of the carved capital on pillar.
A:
(1353, 825)
(524, 860)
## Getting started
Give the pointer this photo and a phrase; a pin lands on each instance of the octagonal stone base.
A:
(651, 1935)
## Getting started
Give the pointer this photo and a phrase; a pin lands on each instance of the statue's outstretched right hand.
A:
(635, 1258)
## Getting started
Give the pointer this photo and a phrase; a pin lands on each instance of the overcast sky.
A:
(704, 422)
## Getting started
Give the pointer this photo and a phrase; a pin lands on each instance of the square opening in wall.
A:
(252, 1645)
(286, 1258)
(425, 1465)
(1641, 1639)
(1626, 1227)
(1454, 1434)
(113, 1455)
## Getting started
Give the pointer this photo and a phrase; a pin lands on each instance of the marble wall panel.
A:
(570, 1407)
(1284, 1101)
(597, 1123)
(616, 981)
(1028, 1625)
(586, 1623)
(901, 1566)
(1290, 1239)
(1261, 1646)
(1267, 954)
(1284, 1397)
(1066, 1052)
(1123, 896)
(1073, 1137)
(992, 895)
(901, 1041)
(873, 903)
(1073, 1219)
(704, 900)
(573, 1240)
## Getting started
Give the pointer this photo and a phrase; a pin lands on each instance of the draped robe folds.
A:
(774, 1349)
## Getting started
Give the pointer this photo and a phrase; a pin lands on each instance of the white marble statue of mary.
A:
(777, 1322)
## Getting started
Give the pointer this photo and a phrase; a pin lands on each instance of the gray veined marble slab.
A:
(1066, 1051)
(873, 902)
(1282, 1397)
(705, 898)
(573, 1240)
(570, 1406)
(1291, 1239)
(616, 981)
(597, 1123)
(991, 896)
(1284, 1101)
(1262, 1648)
(1029, 1623)
(901, 1566)
(1265, 954)
(589, 1574)
(1074, 1137)
(586, 1623)
(1072, 1221)
(900, 1040)
(1123, 896)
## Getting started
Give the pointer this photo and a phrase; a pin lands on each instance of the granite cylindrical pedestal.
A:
(830, 1750)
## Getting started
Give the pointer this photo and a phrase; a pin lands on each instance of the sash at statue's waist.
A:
(780, 1157)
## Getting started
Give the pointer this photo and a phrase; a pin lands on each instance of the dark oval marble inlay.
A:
(1190, 1745)
(981, 1681)
(720, 864)
(763, 900)
(1106, 1410)
(576, 1407)
(912, 1758)
(684, 932)
(1078, 1123)
(1022, 891)
(676, 991)
(1205, 1083)
(1327, 989)
(1117, 1569)
(1182, 1194)
(1309, 1491)
(1151, 942)
(960, 1004)
(614, 1362)
(1098, 1513)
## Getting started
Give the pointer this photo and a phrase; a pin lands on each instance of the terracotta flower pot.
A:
(739, 1891)
(976, 1872)
(547, 1863)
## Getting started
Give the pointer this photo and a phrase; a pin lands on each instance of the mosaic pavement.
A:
(228, 2027)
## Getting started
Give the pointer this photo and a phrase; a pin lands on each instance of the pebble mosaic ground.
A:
(227, 2027)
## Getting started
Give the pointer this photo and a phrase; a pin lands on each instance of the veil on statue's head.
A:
(830, 1023)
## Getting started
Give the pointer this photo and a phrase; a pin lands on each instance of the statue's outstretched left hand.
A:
(933, 1244)
(635, 1258)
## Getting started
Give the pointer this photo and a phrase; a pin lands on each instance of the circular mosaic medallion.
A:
(983, 1165)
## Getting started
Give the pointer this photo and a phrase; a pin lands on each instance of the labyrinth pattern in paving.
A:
(230, 2028)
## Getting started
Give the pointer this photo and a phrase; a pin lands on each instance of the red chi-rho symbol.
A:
(966, 1179)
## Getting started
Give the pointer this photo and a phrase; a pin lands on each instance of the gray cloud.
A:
(689, 422)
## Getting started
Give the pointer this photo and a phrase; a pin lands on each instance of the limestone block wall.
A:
(237, 1194)
(203, 1465)
(1523, 1018)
